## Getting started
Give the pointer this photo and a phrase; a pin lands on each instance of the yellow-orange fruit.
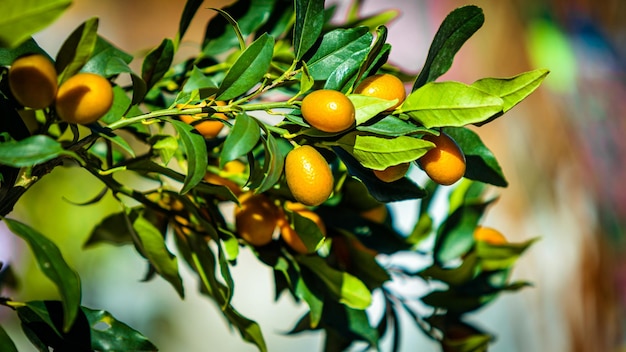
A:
(256, 219)
(33, 81)
(489, 235)
(84, 98)
(328, 110)
(308, 176)
(445, 163)
(383, 86)
(392, 173)
(208, 129)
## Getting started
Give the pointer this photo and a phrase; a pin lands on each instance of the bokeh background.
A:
(563, 151)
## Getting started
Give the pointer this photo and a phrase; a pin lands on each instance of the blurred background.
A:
(562, 150)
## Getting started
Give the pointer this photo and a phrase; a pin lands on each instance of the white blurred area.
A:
(552, 205)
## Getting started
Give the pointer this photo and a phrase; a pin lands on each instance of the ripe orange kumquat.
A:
(489, 235)
(383, 86)
(445, 163)
(84, 98)
(256, 218)
(33, 81)
(308, 175)
(392, 173)
(328, 110)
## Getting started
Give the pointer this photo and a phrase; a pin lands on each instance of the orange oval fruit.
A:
(289, 234)
(392, 173)
(256, 218)
(33, 81)
(308, 176)
(445, 163)
(489, 235)
(383, 86)
(209, 128)
(84, 98)
(328, 110)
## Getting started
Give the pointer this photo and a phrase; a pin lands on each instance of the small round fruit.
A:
(392, 173)
(328, 110)
(445, 163)
(209, 128)
(33, 81)
(256, 219)
(84, 98)
(289, 234)
(308, 176)
(489, 235)
(383, 86)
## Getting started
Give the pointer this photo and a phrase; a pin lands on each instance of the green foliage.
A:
(263, 56)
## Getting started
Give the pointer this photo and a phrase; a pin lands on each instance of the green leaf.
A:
(248, 70)
(456, 302)
(482, 165)
(32, 151)
(6, 344)
(308, 26)
(165, 146)
(367, 107)
(502, 256)
(154, 248)
(191, 7)
(242, 138)
(335, 48)
(197, 80)
(250, 330)
(195, 148)
(22, 19)
(235, 27)
(115, 139)
(250, 15)
(157, 63)
(440, 104)
(458, 26)
(390, 126)
(346, 288)
(121, 103)
(29, 46)
(379, 153)
(103, 54)
(113, 229)
(514, 89)
(307, 230)
(455, 236)
(52, 264)
(344, 75)
(110, 334)
(274, 162)
(457, 276)
(77, 49)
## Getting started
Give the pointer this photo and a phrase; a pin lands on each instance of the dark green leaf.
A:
(482, 165)
(195, 148)
(456, 302)
(103, 53)
(498, 257)
(6, 344)
(457, 276)
(248, 70)
(191, 7)
(110, 334)
(456, 234)
(235, 27)
(344, 75)
(52, 264)
(197, 80)
(335, 48)
(32, 151)
(274, 162)
(154, 248)
(157, 63)
(112, 229)
(29, 46)
(114, 138)
(458, 26)
(439, 104)
(77, 49)
(242, 138)
(308, 26)
(390, 126)
(22, 19)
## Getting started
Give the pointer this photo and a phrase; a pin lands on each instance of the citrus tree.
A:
(299, 122)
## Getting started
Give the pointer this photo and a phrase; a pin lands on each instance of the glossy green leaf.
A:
(103, 54)
(307, 230)
(482, 165)
(453, 276)
(367, 107)
(250, 15)
(6, 344)
(379, 153)
(154, 248)
(344, 75)
(441, 104)
(308, 26)
(32, 151)
(335, 48)
(22, 19)
(195, 149)
(115, 139)
(234, 26)
(114, 229)
(390, 126)
(514, 89)
(344, 287)
(274, 162)
(248, 70)
(110, 334)
(402, 189)
(157, 63)
(29, 46)
(250, 330)
(455, 236)
(77, 49)
(457, 27)
(191, 7)
(52, 264)
(242, 138)
(197, 80)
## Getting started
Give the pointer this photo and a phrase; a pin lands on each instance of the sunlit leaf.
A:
(22, 19)
(110, 334)
(77, 49)
(514, 89)
(242, 138)
(52, 264)
(195, 148)
(335, 48)
(308, 26)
